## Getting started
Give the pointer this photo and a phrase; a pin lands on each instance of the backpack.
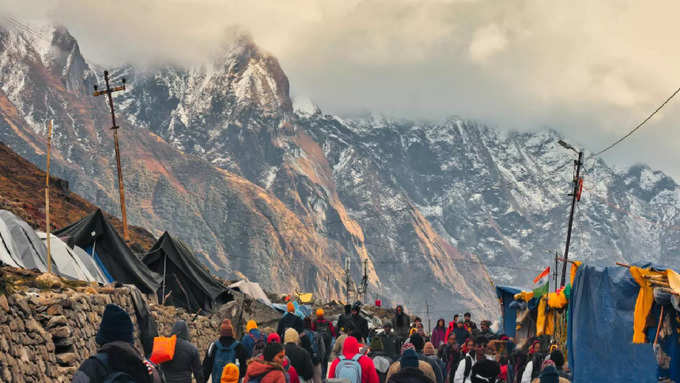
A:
(318, 348)
(349, 369)
(259, 344)
(112, 376)
(223, 356)
(324, 329)
(409, 375)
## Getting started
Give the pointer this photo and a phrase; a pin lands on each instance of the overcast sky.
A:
(589, 69)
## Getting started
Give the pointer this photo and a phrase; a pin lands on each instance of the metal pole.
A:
(555, 270)
(571, 217)
(47, 198)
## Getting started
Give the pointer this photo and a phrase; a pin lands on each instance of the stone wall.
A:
(44, 335)
(48, 325)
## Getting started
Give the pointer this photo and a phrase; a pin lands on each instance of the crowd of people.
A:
(316, 350)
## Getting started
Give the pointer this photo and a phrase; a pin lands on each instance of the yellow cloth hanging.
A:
(524, 296)
(550, 323)
(541, 317)
(557, 300)
(572, 272)
(673, 280)
(643, 304)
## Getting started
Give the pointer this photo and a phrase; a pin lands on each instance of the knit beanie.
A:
(290, 307)
(549, 375)
(428, 349)
(320, 313)
(291, 336)
(116, 325)
(407, 346)
(271, 350)
(251, 325)
(409, 359)
(230, 373)
(273, 338)
(226, 329)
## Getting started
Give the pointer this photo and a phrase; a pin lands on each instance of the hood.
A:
(350, 347)
(181, 330)
(258, 367)
(124, 357)
(291, 336)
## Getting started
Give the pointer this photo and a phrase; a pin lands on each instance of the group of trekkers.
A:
(315, 350)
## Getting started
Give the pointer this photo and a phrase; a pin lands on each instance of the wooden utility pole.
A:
(575, 197)
(555, 271)
(47, 198)
(347, 280)
(364, 282)
(109, 92)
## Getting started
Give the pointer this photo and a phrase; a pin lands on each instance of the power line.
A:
(638, 126)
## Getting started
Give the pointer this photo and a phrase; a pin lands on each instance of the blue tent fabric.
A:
(506, 295)
(669, 368)
(600, 329)
(302, 311)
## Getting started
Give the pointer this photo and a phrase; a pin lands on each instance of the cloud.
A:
(486, 42)
(591, 70)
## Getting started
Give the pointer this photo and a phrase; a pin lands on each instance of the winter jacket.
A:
(450, 357)
(121, 356)
(401, 324)
(436, 366)
(360, 324)
(330, 325)
(459, 376)
(186, 360)
(241, 357)
(391, 345)
(290, 320)
(301, 360)
(461, 335)
(424, 367)
(269, 371)
(249, 339)
(345, 323)
(438, 336)
(349, 350)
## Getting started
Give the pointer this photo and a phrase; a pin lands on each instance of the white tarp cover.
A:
(19, 245)
(253, 289)
(72, 263)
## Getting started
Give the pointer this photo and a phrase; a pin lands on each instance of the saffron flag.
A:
(542, 275)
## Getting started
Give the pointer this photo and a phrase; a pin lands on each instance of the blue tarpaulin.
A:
(506, 295)
(300, 310)
(600, 329)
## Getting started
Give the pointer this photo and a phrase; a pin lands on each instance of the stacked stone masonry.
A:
(45, 335)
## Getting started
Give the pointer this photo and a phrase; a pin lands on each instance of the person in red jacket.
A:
(287, 367)
(349, 350)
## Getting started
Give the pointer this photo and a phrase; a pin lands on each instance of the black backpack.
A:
(324, 329)
(409, 375)
(112, 376)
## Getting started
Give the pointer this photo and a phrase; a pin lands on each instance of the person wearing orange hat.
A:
(224, 351)
(290, 320)
(230, 374)
(253, 339)
(324, 328)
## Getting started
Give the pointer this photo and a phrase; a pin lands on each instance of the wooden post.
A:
(47, 198)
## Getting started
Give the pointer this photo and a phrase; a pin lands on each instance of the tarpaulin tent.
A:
(72, 263)
(19, 245)
(253, 289)
(98, 238)
(600, 329)
(506, 295)
(190, 285)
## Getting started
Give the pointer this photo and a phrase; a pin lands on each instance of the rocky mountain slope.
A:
(216, 155)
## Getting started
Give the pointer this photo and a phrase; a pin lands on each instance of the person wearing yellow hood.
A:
(290, 320)
(253, 340)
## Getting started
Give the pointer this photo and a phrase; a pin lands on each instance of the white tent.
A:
(253, 289)
(19, 245)
(72, 263)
